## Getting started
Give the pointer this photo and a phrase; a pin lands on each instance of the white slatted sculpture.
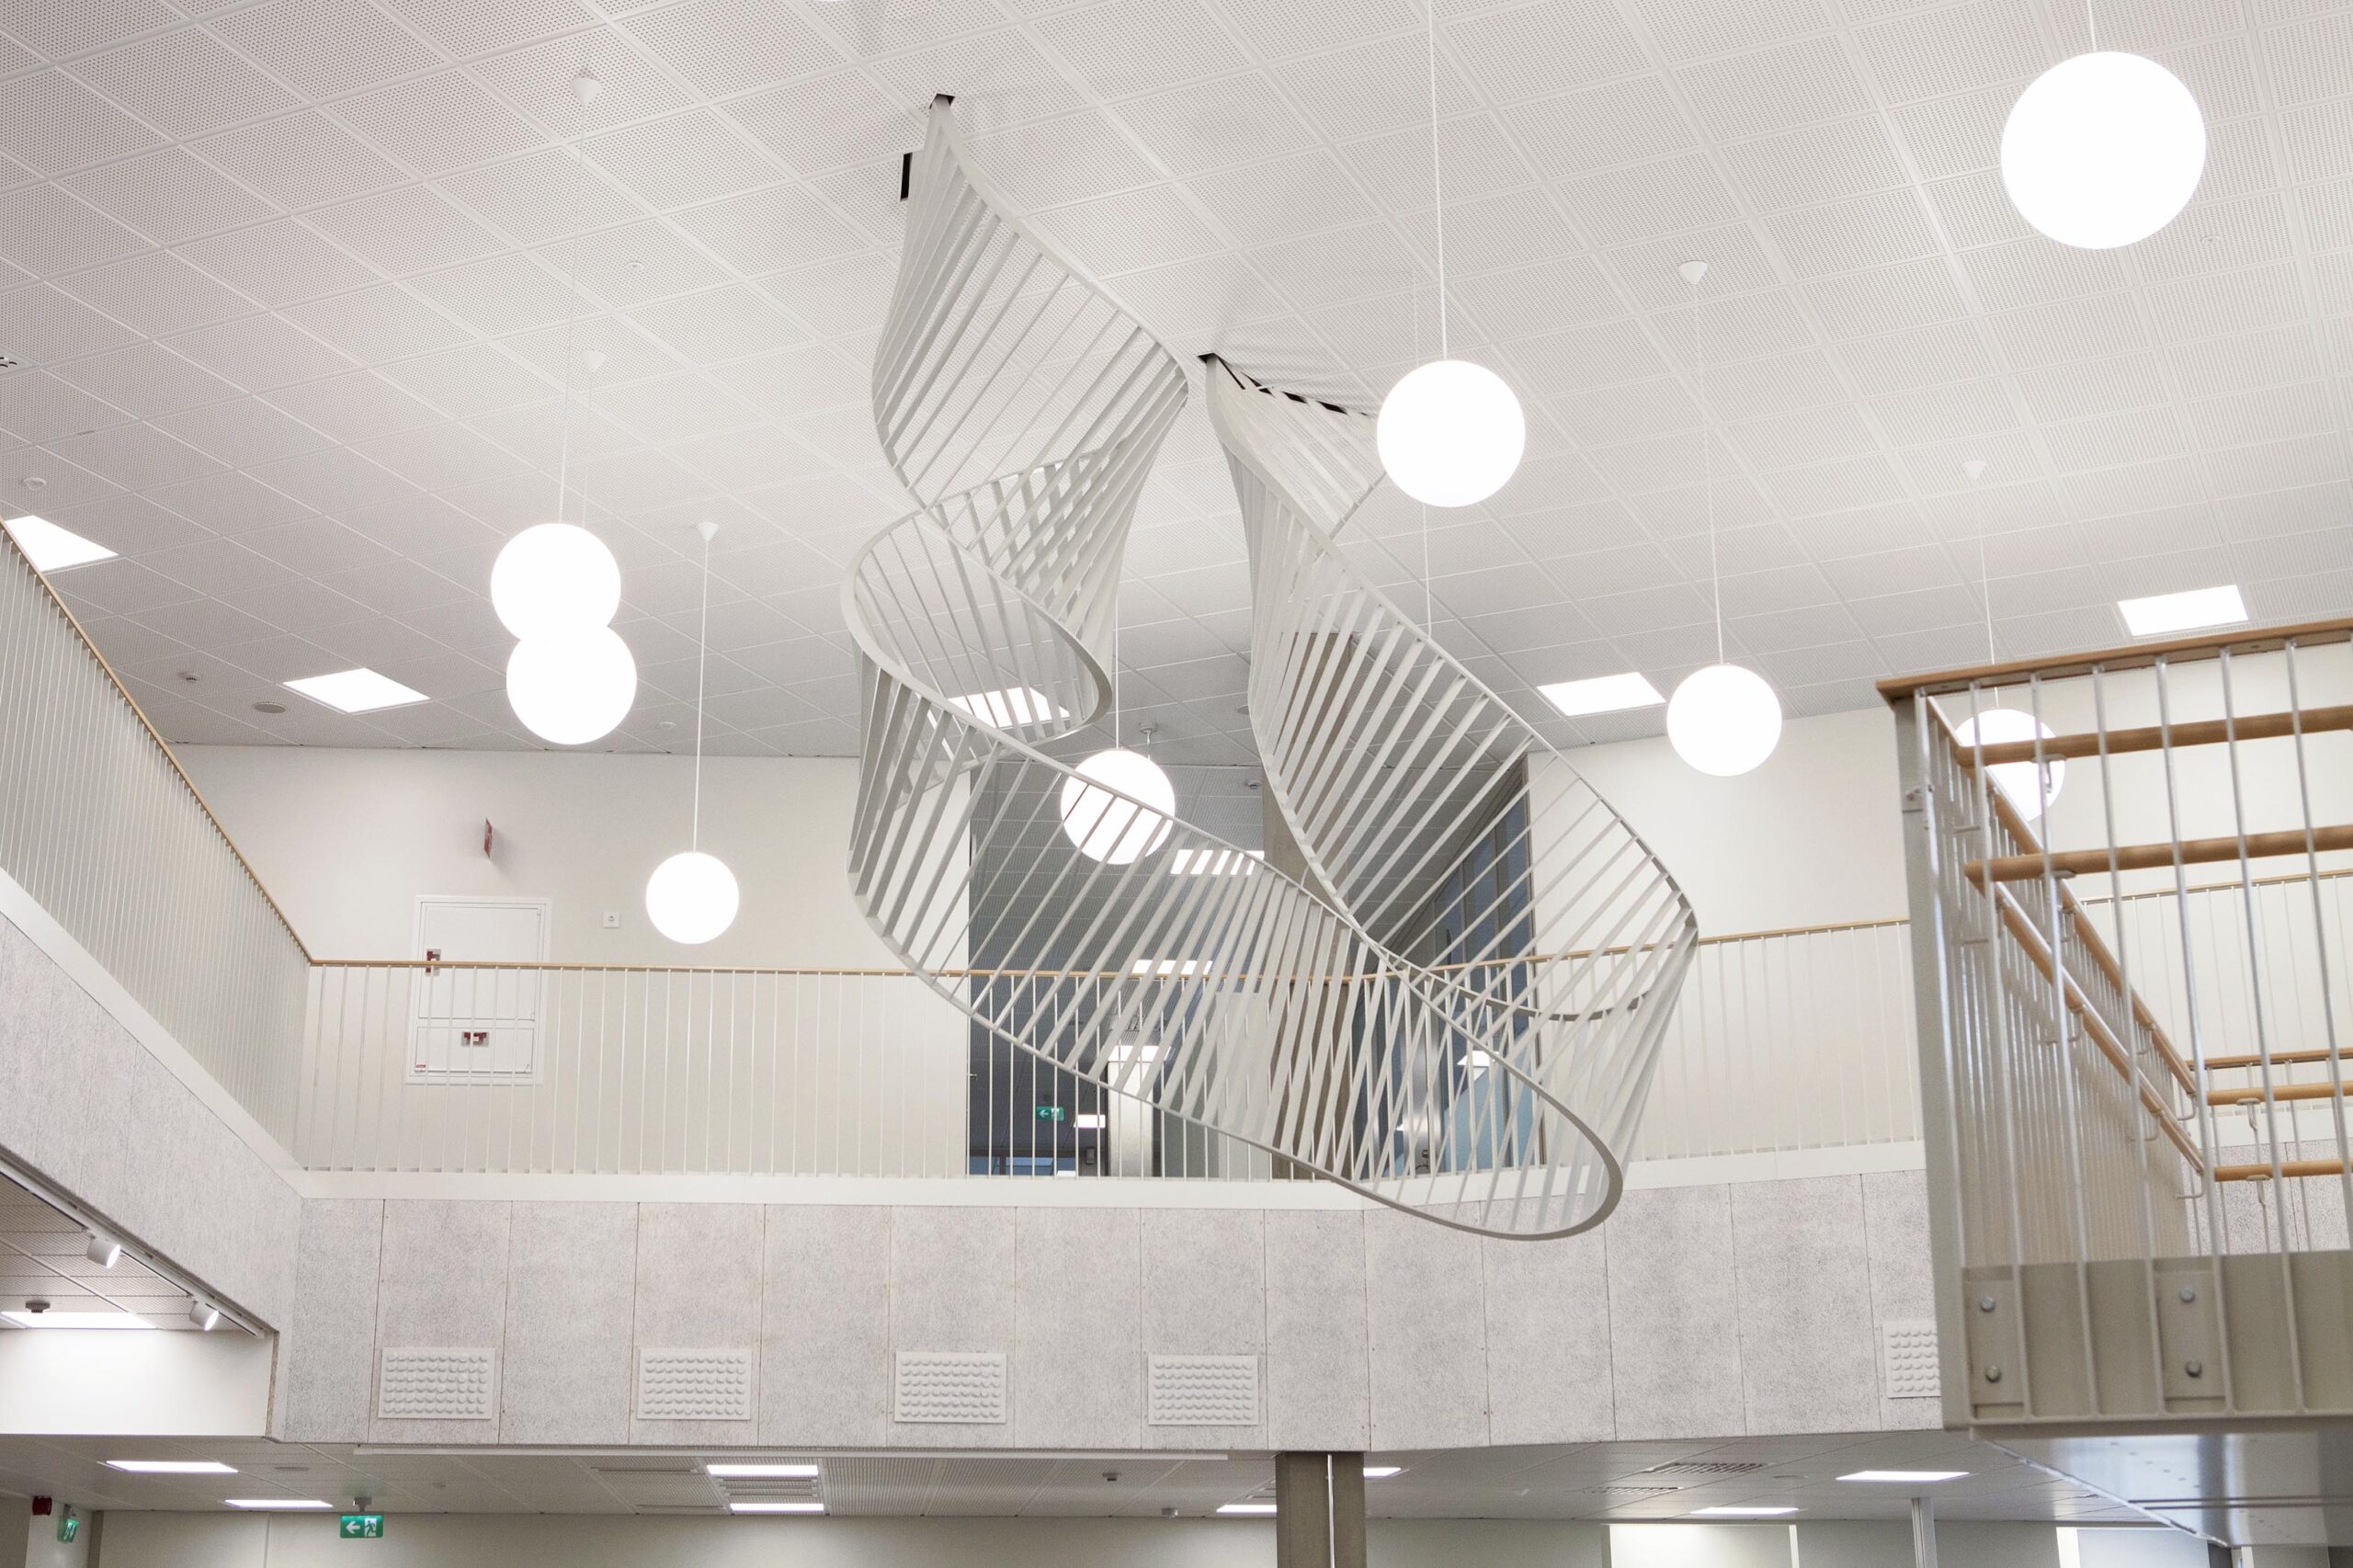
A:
(1425, 807)
(1023, 410)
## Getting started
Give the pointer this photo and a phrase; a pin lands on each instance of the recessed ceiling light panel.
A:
(173, 1467)
(1739, 1513)
(50, 548)
(1602, 694)
(761, 1472)
(1918, 1477)
(1232, 1508)
(76, 1320)
(278, 1504)
(791, 1506)
(356, 691)
(2190, 611)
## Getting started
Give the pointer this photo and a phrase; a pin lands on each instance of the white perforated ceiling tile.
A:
(283, 264)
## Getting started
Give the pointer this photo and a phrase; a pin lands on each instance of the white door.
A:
(478, 1026)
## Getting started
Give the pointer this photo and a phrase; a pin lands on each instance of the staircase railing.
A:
(2126, 870)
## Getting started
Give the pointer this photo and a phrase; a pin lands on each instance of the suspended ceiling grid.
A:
(43, 1257)
(290, 284)
(1599, 1481)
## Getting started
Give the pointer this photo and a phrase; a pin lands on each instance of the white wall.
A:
(346, 840)
(166, 1385)
(1811, 838)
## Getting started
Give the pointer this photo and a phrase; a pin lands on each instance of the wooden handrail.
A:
(2095, 948)
(2095, 1027)
(2154, 738)
(2287, 1168)
(157, 736)
(2277, 1059)
(2137, 656)
(2156, 856)
(2284, 1092)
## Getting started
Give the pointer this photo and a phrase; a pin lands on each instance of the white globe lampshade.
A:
(2016, 780)
(2103, 149)
(555, 577)
(691, 897)
(1451, 433)
(1106, 827)
(571, 687)
(1724, 719)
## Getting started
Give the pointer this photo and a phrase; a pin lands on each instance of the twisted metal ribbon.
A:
(1023, 409)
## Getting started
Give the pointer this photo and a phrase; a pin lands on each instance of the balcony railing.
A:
(2128, 874)
(100, 828)
(1783, 1041)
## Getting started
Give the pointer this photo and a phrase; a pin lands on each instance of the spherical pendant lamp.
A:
(1724, 719)
(1107, 828)
(555, 577)
(691, 897)
(1450, 433)
(2103, 149)
(2017, 780)
(573, 686)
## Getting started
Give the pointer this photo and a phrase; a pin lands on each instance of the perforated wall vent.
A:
(1706, 1467)
(1907, 1358)
(437, 1384)
(959, 1387)
(1203, 1390)
(694, 1385)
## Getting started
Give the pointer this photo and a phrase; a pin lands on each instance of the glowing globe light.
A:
(1451, 433)
(555, 577)
(1724, 719)
(2103, 149)
(1106, 827)
(571, 687)
(2016, 780)
(691, 897)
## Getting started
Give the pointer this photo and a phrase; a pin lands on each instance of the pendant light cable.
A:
(1707, 455)
(584, 88)
(1438, 179)
(702, 663)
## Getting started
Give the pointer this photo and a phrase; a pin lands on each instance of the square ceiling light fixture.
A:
(1602, 694)
(53, 548)
(2190, 611)
(356, 691)
(1007, 708)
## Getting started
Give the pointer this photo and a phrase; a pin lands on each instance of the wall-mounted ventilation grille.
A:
(1203, 1390)
(1706, 1467)
(437, 1384)
(962, 1387)
(1907, 1358)
(1628, 1490)
(694, 1385)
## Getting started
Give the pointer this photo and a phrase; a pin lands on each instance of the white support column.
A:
(1923, 1533)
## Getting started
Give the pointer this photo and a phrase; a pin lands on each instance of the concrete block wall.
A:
(1695, 1312)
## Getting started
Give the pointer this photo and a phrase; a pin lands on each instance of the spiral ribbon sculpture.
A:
(1449, 998)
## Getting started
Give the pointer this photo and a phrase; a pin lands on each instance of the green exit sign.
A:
(1049, 1113)
(69, 1525)
(363, 1527)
